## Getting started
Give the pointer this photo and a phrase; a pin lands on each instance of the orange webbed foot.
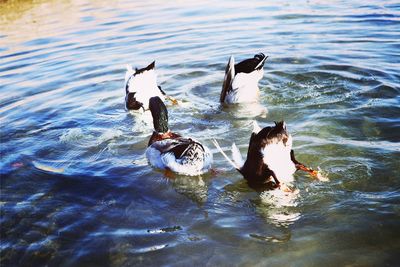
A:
(169, 174)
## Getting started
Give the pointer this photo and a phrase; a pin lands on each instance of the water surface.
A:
(76, 189)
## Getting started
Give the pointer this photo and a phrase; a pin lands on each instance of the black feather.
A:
(251, 64)
(186, 147)
(161, 90)
(149, 67)
(131, 102)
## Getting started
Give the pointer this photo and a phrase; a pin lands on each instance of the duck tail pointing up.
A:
(261, 57)
(128, 74)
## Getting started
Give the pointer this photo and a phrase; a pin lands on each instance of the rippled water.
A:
(76, 189)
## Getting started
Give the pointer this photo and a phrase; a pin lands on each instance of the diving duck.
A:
(140, 86)
(270, 161)
(241, 80)
(170, 151)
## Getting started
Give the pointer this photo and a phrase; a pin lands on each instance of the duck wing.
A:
(187, 148)
(180, 147)
(181, 155)
(228, 79)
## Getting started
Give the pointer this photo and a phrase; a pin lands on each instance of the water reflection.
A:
(279, 208)
(193, 187)
(248, 110)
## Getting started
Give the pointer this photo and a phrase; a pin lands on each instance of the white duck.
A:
(241, 80)
(170, 151)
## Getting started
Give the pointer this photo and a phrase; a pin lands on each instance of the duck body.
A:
(140, 86)
(181, 155)
(269, 157)
(241, 80)
(270, 161)
(170, 151)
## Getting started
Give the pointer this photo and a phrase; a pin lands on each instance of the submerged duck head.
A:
(140, 86)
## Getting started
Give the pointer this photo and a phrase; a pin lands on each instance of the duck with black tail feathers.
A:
(170, 151)
(270, 159)
(241, 80)
(140, 86)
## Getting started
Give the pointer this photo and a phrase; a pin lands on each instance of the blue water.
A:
(76, 188)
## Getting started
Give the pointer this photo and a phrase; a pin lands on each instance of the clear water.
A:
(76, 189)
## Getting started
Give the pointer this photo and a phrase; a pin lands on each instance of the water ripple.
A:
(76, 188)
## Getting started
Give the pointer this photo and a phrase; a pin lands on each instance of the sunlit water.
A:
(76, 188)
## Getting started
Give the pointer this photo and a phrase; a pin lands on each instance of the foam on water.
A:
(72, 135)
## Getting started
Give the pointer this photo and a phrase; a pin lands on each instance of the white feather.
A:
(261, 62)
(245, 87)
(145, 86)
(256, 127)
(236, 156)
(223, 154)
(169, 161)
(208, 159)
(129, 72)
(277, 157)
(154, 157)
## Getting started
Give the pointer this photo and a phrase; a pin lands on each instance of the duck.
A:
(270, 161)
(241, 80)
(170, 151)
(140, 86)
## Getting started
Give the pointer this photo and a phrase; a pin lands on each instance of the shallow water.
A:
(76, 189)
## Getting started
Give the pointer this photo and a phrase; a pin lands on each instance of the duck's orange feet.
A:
(169, 174)
(312, 172)
(173, 100)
